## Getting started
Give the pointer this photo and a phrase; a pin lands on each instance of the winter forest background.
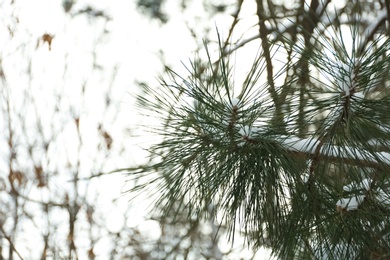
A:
(239, 128)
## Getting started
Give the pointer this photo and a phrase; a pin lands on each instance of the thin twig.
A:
(10, 242)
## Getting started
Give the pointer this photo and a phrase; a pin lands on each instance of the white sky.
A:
(132, 44)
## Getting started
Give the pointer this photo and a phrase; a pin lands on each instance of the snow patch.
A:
(350, 203)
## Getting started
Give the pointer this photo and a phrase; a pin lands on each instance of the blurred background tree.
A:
(66, 119)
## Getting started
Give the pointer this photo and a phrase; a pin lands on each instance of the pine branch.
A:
(295, 163)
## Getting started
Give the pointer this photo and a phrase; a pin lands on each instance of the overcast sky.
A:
(128, 42)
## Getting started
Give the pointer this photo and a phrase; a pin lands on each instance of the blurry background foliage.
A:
(65, 121)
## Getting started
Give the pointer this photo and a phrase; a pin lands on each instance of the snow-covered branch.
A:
(349, 154)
